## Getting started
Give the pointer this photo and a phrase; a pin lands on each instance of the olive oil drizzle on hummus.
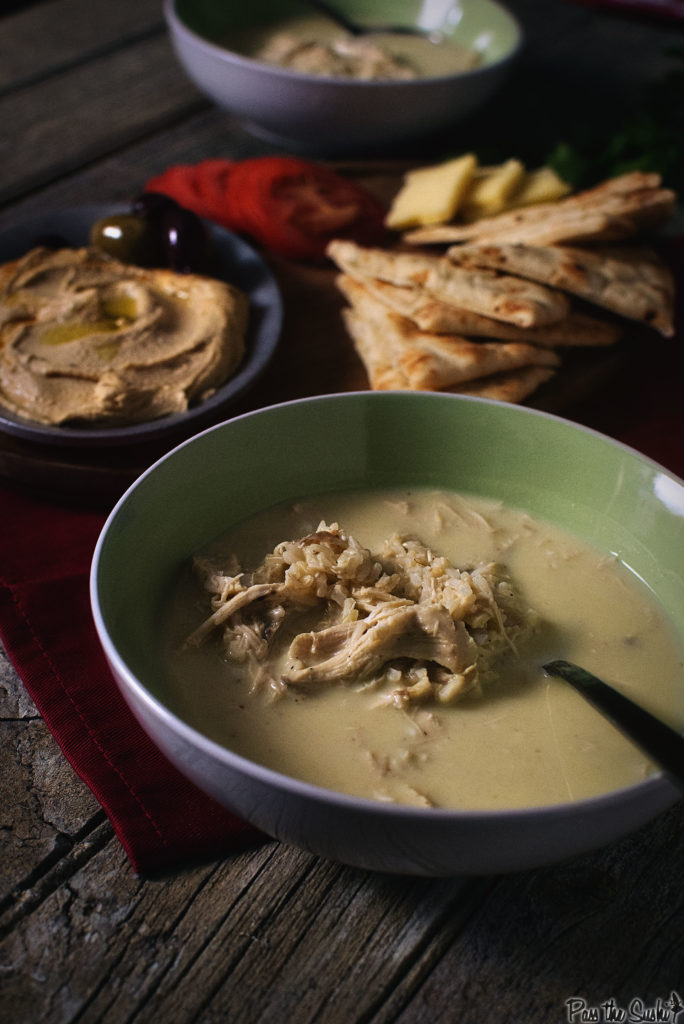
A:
(84, 336)
(118, 312)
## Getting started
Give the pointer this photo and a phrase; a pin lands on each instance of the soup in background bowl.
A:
(220, 46)
(541, 776)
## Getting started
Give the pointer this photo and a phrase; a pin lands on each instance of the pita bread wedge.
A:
(438, 361)
(500, 296)
(382, 372)
(615, 210)
(428, 362)
(515, 386)
(630, 281)
(577, 329)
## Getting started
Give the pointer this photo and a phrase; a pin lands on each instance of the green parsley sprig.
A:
(650, 139)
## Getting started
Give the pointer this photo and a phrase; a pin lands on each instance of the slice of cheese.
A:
(491, 189)
(431, 195)
(540, 186)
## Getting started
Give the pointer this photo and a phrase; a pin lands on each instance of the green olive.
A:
(127, 237)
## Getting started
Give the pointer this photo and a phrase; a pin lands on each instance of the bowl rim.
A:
(656, 783)
(179, 27)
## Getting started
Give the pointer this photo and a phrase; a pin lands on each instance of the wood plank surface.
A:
(36, 44)
(129, 92)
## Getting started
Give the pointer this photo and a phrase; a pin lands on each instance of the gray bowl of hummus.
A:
(296, 79)
(173, 370)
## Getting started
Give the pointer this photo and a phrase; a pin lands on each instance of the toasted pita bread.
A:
(429, 314)
(614, 210)
(515, 386)
(382, 372)
(424, 361)
(630, 281)
(500, 296)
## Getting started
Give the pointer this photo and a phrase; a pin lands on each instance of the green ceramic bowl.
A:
(602, 491)
(333, 115)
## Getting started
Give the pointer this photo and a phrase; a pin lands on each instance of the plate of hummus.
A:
(94, 351)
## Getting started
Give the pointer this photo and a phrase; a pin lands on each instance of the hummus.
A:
(86, 337)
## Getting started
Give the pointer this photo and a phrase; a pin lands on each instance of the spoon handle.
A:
(663, 744)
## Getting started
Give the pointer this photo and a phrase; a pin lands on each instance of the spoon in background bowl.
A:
(355, 29)
(665, 746)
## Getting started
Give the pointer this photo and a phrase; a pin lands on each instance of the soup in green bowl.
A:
(332, 615)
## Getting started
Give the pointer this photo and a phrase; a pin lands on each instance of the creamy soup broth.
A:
(426, 58)
(525, 740)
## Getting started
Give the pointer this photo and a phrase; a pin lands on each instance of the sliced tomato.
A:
(198, 187)
(210, 183)
(179, 183)
(295, 206)
(291, 206)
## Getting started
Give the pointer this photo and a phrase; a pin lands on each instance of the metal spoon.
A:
(663, 745)
(355, 29)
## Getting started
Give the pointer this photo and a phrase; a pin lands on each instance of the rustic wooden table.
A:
(92, 102)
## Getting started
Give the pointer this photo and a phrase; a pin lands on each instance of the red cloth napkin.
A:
(161, 819)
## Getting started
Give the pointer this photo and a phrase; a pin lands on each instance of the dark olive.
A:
(186, 241)
(127, 237)
(151, 205)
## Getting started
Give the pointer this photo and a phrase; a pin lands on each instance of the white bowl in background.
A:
(336, 115)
